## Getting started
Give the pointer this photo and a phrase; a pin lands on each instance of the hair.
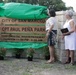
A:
(69, 12)
(52, 12)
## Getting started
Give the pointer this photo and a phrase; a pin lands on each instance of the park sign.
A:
(17, 30)
(22, 25)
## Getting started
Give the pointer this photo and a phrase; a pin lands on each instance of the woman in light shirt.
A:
(50, 34)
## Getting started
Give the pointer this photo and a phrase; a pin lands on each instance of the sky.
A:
(70, 3)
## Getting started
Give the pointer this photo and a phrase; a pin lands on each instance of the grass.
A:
(27, 73)
(24, 67)
(70, 67)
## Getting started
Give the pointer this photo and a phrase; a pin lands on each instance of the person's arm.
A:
(72, 28)
(75, 28)
(50, 28)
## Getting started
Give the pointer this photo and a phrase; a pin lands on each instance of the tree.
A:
(55, 4)
(70, 8)
(1, 1)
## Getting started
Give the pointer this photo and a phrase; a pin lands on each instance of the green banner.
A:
(22, 45)
(23, 11)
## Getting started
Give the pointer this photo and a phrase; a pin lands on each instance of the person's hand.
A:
(47, 34)
(64, 34)
(62, 37)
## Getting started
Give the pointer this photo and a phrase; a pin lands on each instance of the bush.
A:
(2, 53)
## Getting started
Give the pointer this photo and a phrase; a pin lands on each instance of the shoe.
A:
(72, 63)
(69, 60)
(50, 61)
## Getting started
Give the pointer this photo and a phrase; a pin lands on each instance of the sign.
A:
(22, 30)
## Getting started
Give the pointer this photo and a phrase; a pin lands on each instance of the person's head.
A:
(51, 12)
(69, 14)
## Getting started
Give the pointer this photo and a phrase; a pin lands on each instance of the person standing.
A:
(69, 37)
(50, 33)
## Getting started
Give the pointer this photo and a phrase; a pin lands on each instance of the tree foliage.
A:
(1, 1)
(70, 8)
(55, 4)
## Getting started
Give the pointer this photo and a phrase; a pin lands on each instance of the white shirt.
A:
(51, 21)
